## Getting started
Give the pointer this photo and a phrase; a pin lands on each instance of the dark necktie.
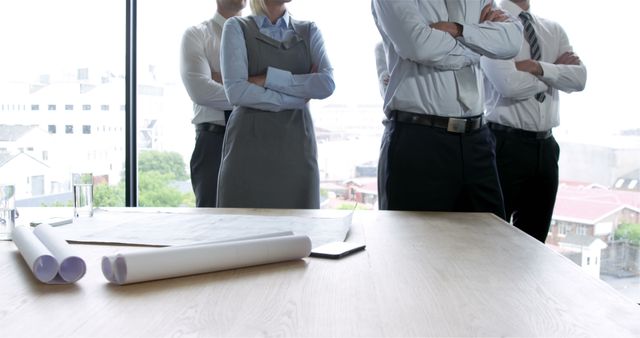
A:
(532, 39)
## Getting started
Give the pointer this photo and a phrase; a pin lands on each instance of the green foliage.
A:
(349, 206)
(157, 172)
(170, 163)
(105, 195)
(155, 190)
(629, 232)
(68, 203)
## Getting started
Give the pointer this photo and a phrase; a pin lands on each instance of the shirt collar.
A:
(282, 22)
(219, 19)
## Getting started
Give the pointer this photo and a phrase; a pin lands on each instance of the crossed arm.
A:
(277, 89)
(446, 45)
(521, 80)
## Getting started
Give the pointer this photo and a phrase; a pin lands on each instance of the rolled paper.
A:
(50, 258)
(72, 267)
(160, 263)
(39, 259)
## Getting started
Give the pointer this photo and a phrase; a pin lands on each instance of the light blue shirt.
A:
(421, 60)
(282, 90)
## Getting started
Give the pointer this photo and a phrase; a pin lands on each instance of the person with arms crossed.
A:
(521, 98)
(271, 66)
(437, 153)
(200, 71)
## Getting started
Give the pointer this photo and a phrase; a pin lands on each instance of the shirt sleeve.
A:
(381, 66)
(567, 78)
(413, 39)
(196, 72)
(498, 40)
(235, 75)
(315, 85)
(508, 81)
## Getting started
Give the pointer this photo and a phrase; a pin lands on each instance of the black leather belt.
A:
(210, 127)
(534, 135)
(451, 124)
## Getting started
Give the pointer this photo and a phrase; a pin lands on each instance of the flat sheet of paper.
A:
(167, 229)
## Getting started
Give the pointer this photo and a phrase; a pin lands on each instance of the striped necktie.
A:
(532, 39)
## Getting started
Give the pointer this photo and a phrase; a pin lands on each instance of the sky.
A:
(41, 35)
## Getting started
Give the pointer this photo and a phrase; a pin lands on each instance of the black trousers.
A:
(205, 164)
(528, 170)
(425, 168)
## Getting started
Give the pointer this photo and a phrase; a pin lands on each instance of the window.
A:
(581, 230)
(51, 107)
(350, 118)
(104, 107)
(563, 229)
(86, 129)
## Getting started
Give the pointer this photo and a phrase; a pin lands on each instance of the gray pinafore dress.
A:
(269, 159)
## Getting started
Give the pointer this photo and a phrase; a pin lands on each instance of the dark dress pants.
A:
(205, 164)
(528, 170)
(425, 168)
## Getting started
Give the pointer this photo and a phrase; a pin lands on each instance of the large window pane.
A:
(61, 61)
(165, 133)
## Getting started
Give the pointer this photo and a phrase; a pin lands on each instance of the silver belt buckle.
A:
(457, 125)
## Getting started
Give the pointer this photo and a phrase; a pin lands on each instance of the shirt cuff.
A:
(549, 71)
(277, 78)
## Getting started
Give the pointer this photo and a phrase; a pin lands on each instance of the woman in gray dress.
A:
(272, 65)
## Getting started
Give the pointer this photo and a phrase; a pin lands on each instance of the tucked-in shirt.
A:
(283, 90)
(199, 57)
(421, 60)
(510, 94)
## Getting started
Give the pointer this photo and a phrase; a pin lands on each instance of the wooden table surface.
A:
(422, 274)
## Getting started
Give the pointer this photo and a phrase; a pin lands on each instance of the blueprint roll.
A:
(160, 263)
(51, 259)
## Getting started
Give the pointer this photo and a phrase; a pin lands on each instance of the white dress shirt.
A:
(421, 60)
(282, 90)
(381, 66)
(509, 93)
(199, 57)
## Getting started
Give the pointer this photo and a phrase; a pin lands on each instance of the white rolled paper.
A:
(159, 263)
(50, 258)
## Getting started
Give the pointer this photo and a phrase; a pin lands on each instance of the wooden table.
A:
(422, 274)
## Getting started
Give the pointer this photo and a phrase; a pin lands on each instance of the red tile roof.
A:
(588, 204)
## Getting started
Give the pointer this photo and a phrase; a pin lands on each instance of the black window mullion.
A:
(131, 155)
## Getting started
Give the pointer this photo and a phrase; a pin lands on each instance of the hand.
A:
(568, 58)
(452, 28)
(492, 15)
(258, 79)
(530, 66)
(216, 76)
(314, 69)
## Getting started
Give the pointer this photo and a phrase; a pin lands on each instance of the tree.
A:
(163, 162)
(629, 232)
(157, 173)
